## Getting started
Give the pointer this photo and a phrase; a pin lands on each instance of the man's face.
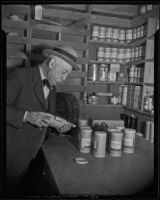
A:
(58, 71)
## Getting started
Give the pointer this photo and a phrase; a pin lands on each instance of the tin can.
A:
(135, 74)
(109, 34)
(140, 53)
(102, 33)
(149, 7)
(134, 34)
(132, 54)
(124, 95)
(120, 128)
(100, 140)
(138, 32)
(128, 35)
(38, 12)
(142, 31)
(100, 54)
(102, 72)
(128, 55)
(95, 32)
(122, 36)
(83, 122)
(147, 130)
(136, 51)
(115, 143)
(121, 55)
(131, 73)
(85, 139)
(108, 54)
(138, 75)
(151, 136)
(142, 9)
(143, 52)
(133, 122)
(129, 140)
(92, 72)
(115, 35)
(114, 54)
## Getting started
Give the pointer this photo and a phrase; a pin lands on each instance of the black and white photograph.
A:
(80, 100)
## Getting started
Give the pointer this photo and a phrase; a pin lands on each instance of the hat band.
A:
(61, 51)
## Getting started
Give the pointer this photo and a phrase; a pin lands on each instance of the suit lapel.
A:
(38, 88)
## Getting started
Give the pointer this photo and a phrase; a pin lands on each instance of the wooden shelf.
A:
(103, 62)
(7, 24)
(71, 88)
(105, 82)
(127, 83)
(149, 84)
(135, 62)
(139, 111)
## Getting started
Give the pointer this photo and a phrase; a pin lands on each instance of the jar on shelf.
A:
(138, 75)
(140, 53)
(114, 54)
(95, 32)
(92, 72)
(136, 51)
(109, 34)
(122, 36)
(100, 54)
(115, 35)
(135, 74)
(128, 35)
(102, 33)
(146, 101)
(132, 54)
(142, 31)
(108, 54)
(124, 95)
(134, 34)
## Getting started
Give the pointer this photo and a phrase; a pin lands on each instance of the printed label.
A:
(95, 144)
(128, 142)
(85, 142)
(116, 144)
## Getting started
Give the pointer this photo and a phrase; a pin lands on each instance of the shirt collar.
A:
(41, 73)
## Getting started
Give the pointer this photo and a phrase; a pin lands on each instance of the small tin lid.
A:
(80, 160)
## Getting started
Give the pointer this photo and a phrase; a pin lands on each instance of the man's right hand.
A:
(40, 119)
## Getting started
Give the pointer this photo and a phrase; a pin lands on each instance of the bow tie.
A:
(46, 82)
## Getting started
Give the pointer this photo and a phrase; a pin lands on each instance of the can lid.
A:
(80, 160)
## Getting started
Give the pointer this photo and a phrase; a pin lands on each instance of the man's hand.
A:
(66, 127)
(40, 119)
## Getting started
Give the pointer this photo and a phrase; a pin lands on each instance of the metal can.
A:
(149, 7)
(115, 143)
(92, 72)
(140, 53)
(114, 54)
(121, 55)
(102, 33)
(85, 139)
(38, 12)
(136, 51)
(128, 55)
(102, 72)
(129, 140)
(138, 75)
(100, 54)
(147, 130)
(135, 74)
(122, 36)
(100, 140)
(131, 73)
(138, 32)
(134, 34)
(115, 35)
(108, 54)
(109, 34)
(128, 35)
(142, 9)
(132, 54)
(83, 122)
(124, 95)
(133, 122)
(151, 136)
(95, 32)
(142, 31)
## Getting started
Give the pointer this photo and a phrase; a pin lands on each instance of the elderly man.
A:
(31, 109)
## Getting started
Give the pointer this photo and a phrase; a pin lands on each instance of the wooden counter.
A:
(123, 175)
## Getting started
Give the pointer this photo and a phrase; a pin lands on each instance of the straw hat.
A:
(65, 52)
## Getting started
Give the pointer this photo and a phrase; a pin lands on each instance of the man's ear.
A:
(52, 62)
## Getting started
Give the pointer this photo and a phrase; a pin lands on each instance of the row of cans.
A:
(120, 55)
(110, 34)
(114, 140)
(135, 74)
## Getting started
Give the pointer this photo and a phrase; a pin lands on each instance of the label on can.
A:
(138, 32)
(128, 142)
(134, 34)
(116, 144)
(129, 35)
(122, 36)
(95, 32)
(85, 142)
(109, 34)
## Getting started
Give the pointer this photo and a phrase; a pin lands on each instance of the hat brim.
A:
(50, 52)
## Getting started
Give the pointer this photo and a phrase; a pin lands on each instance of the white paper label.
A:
(116, 144)
(85, 142)
(128, 142)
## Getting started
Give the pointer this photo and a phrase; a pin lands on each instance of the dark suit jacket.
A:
(24, 92)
